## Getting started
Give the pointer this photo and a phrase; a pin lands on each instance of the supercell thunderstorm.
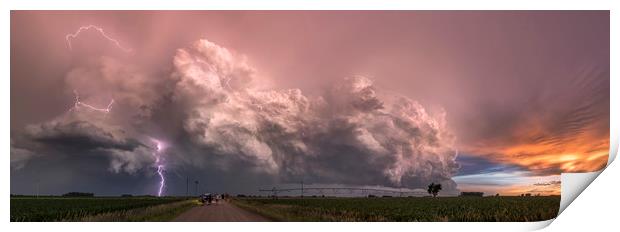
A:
(352, 134)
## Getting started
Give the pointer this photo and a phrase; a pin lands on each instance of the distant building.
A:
(472, 194)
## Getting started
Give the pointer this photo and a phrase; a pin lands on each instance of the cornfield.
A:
(406, 209)
(75, 209)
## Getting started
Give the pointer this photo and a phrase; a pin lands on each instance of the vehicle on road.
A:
(206, 198)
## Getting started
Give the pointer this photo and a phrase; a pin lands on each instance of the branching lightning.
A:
(72, 36)
(79, 104)
(159, 145)
(160, 166)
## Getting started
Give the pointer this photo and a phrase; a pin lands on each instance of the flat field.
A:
(405, 209)
(92, 208)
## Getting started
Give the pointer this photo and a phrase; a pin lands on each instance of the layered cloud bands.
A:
(581, 154)
(563, 128)
(350, 135)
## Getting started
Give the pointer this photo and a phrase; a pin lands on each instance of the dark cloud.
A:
(479, 165)
(79, 135)
(548, 183)
(20, 156)
(71, 135)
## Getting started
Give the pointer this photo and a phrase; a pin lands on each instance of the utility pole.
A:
(302, 188)
(187, 187)
(196, 182)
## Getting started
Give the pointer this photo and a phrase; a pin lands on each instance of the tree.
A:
(434, 189)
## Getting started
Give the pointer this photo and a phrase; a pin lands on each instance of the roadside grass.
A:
(404, 209)
(270, 213)
(158, 213)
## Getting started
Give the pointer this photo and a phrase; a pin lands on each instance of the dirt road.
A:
(221, 212)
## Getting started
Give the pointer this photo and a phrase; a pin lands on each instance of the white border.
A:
(7, 5)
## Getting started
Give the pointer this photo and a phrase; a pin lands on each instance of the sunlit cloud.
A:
(580, 156)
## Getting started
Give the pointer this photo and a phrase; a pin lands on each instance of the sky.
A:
(491, 101)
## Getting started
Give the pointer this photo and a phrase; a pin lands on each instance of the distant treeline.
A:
(84, 194)
(69, 194)
(78, 194)
(21, 195)
(472, 194)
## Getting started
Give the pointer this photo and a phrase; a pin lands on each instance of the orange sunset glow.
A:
(579, 156)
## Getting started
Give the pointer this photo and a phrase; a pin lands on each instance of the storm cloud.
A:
(352, 134)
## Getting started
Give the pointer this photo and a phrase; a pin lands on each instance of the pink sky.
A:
(525, 90)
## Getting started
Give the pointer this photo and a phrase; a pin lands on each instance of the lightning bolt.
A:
(159, 145)
(160, 170)
(160, 166)
(72, 36)
(79, 104)
(158, 152)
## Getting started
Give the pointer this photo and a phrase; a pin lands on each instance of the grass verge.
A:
(273, 215)
(158, 213)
